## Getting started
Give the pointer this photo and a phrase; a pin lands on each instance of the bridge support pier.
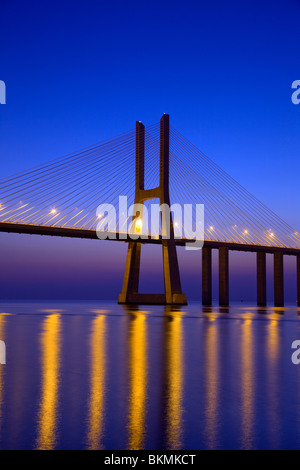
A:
(261, 279)
(132, 271)
(223, 276)
(206, 275)
(278, 279)
(172, 284)
(298, 280)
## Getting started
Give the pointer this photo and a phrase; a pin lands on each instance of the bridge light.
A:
(53, 211)
(100, 216)
(246, 231)
(176, 224)
(271, 234)
(211, 228)
(138, 225)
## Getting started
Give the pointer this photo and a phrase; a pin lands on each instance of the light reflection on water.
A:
(97, 383)
(47, 421)
(247, 391)
(175, 377)
(103, 376)
(138, 350)
(211, 383)
(2, 369)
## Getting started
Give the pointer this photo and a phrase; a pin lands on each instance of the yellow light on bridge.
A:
(211, 228)
(246, 231)
(53, 211)
(271, 234)
(139, 225)
(176, 224)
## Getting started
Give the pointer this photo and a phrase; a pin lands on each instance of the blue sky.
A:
(78, 72)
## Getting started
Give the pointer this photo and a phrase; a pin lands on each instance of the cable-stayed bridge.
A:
(157, 163)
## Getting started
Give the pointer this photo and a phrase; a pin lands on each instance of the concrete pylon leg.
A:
(171, 274)
(206, 276)
(261, 279)
(132, 272)
(223, 276)
(298, 280)
(278, 279)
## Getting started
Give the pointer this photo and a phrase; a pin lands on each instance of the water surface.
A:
(102, 376)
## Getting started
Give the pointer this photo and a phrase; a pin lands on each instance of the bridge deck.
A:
(91, 234)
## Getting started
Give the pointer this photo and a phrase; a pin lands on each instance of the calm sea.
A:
(95, 375)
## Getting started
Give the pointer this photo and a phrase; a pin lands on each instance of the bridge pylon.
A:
(172, 286)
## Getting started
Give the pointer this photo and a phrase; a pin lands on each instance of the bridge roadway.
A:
(91, 234)
(223, 248)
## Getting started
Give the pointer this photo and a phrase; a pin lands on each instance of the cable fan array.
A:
(232, 214)
(67, 191)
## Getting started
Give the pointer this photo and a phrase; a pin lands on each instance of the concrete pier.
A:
(298, 280)
(261, 279)
(206, 276)
(278, 279)
(223, 276)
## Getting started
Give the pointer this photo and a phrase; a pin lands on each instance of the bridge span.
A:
(60, 199)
